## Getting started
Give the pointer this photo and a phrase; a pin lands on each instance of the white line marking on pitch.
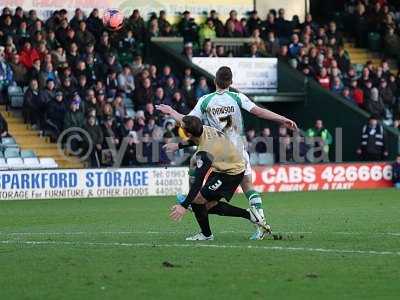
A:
(175, 233)
(198, 245)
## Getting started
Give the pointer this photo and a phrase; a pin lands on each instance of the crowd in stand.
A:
(79, 74)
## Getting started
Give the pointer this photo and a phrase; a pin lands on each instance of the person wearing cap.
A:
(74, 117)
(55, 114)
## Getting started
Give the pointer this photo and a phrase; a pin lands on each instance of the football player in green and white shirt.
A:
(222, 110)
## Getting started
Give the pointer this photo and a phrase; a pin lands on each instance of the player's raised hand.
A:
(289, 124)
(177, 212)
(171, 147)
(165, 109)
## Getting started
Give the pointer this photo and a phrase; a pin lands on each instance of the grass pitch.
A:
(328, 245)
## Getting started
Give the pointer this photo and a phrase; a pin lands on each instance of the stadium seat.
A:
(16, 95)
(15, 163)
(130, 112)
(31, 163)
(8, 142)
(254, 159)
(1, 154)
(266, 159)
(48, 163)
(374, 41)
(128, 103)
(28, 154)
(12, 153)
(3, 164)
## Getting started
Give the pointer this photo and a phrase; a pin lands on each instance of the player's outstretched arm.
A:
(266, 114)
(168, 110)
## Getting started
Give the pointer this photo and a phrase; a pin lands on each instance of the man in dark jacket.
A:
(55, 114)
(95, 142)
(373, 141)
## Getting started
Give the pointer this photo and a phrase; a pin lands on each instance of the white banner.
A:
(93, 183)
(249, 74)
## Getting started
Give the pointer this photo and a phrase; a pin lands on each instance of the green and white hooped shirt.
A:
(222, 110)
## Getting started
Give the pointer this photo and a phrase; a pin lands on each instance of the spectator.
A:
(55, 114)
(207, 31)
(3, 127)
(6, 76)
(202, 88)
(272, 44)
(231, 31)
(188, 92)
(94, 23)
(264, 140)
(95, 142)
(295, 46)
(31, 105)
(337, 86)
(347, 95)
(143, 94)
(109, 129)
(254, 51)
(74, 117)
(159, 97)
(392, 42)
(207, 49)
(374, 104)
(219, 27)
(188, 51)
(188, 28)
(396, 172)
(28, 55)
(179, 103)
(237, 25)
(136, 23)
(19, 70)
(323, 79)
(126, 82)
(321, 138)
(357, 93)
(373, 141)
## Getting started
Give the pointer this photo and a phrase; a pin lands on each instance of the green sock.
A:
(254, 198)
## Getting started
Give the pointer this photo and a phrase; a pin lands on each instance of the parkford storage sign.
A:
(138, 182)
(346, 176)
(92, 183)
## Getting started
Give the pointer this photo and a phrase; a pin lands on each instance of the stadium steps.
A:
(362, 55)
(28, 138)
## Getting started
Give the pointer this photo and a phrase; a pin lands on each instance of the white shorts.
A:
(246, 157)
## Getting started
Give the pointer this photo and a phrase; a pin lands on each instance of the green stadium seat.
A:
(374, 41)
(8, 142)
(12, 153)
(28, 154)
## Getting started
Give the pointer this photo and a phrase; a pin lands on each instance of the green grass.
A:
(115, 249)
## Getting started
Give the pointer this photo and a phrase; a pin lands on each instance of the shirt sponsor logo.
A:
(221, 110)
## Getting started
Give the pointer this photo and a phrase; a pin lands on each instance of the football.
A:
(113, 19)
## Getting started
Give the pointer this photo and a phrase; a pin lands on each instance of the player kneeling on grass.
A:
(217, 153)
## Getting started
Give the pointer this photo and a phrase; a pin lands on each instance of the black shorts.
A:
(220, 185)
